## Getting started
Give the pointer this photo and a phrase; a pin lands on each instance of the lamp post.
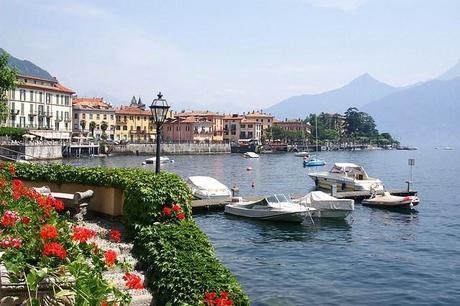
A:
(159, 109)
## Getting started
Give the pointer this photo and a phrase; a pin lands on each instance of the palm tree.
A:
(92, 126)
(104, 126)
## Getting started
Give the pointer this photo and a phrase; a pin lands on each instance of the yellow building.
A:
(133, 123)
(87, 110)
(265, 119)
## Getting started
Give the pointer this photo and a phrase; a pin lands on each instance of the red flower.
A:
(11, 242)
(209, 298)
(17, 184)
(167, 211)
(110, 257)
(2, 184)
(115, 235)
(181, 216)
(58, 205)
(16, 195)
(12, 170)
(9, 218)
(48, 232)
(224, 294)
(82, 234)
(54, 249)
(133, 281)
(176, 207)
(25, 220)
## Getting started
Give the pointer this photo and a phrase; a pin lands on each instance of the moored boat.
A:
(387, 200)
(273, 208)
(347, 177)
(251, 155)
(206, 187)
(327, 206)
(313, 162)
(152, 160)
(302, 154)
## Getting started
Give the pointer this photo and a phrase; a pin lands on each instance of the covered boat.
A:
(206, 187)
(327, 206)
(302, 154)
(274, 208)
(152, 160)
(387, 200)
(251, 155)
(347, 177)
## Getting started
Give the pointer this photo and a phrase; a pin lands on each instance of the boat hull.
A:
(331, 213)
(344, 184)
(295, 216)
(384, 204)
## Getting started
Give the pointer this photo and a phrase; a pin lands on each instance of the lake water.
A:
(375, 257)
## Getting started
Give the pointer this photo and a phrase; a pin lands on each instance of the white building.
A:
(40, 104)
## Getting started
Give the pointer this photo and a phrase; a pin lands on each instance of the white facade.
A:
(40, 104)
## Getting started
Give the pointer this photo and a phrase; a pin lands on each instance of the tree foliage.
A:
(92, 126)
(7, 82)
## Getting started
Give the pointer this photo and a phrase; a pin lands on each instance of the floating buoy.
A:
(248, 168)
(253, 184)
(144, 163)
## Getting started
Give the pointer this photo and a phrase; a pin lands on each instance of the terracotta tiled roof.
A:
(249, 121)
(229, 117)
(258, 114)
(91, 103)
(197, 113)
(48, 85)
(123, 110)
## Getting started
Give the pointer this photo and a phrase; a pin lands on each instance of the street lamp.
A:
(159, 109)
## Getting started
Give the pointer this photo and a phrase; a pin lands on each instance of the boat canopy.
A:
(207, 183)
(350, 170)
(319, 199)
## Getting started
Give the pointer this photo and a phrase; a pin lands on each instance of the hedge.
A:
(14, 133)
(178, 257)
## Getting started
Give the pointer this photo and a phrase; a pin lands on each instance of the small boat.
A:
(448, 148)
(274, 208)
(313, 162)
(302, 154)
(327, 206)
(251, 155)
(387, 200)
(152, 160)
(206, 187)
(347, 177)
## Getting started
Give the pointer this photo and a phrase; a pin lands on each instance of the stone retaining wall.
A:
(176, 148)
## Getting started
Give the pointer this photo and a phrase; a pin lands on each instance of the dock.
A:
(358, 196)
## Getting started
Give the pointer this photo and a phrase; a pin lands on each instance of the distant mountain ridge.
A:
(26, 67)
(360, 91)
(452, 73)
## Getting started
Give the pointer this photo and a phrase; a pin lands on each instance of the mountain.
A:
(452, 73)
(358, 92)
(26, 67)
(424, 114)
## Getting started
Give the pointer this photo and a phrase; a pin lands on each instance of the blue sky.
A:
(230, 55)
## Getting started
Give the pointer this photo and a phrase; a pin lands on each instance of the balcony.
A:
(32, 114)
(45, 114)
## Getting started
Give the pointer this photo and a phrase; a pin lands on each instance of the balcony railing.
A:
(45, 114)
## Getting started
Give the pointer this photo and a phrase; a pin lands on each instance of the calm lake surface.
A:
(376, 257)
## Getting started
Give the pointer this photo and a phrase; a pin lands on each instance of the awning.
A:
(29, 136)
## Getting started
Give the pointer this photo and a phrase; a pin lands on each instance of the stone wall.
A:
(183, 148)
(32, 151)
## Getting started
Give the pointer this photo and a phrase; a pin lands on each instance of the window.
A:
(111, 117)
(75, 116)
(40, 96)
(131, 117)
(83, 116)
(105, 117)
(125, 128)
(31, 109)
(48, 98)
(22, 108)
(90, 116)
(22, 95)
(57, 115)
(250, 126)
(98, 116)
(13, 94)
(138, 118)
(118, 127)
(243, 126)
(66, 115)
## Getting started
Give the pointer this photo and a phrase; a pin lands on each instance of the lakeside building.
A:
(334, 121)
(204, 126)
(87, 110)
(266, 119)
(133, 123)
(42, 105)
(232, 127)
(293, 125)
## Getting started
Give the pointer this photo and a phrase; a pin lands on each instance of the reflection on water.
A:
(375, 257)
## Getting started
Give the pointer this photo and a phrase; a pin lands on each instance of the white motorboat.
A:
(327, 206)
(347, 177)
(275, 208)
(152, 160)
(302, 154)
(387, 200)
(206, 187)
(251, 155)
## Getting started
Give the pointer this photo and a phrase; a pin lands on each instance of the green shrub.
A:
(14, 133)
(179, 258)
(183, 256)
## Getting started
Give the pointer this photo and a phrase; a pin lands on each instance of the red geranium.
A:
(133, 281)
(9, 218)
(48, 232)
(25, 220)
(11, 242)
(82, 234)
(54, 248)
(181, 216)
(167, 211)
(115, 235)
(176, 207)
(12, 170)
(110, 257)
